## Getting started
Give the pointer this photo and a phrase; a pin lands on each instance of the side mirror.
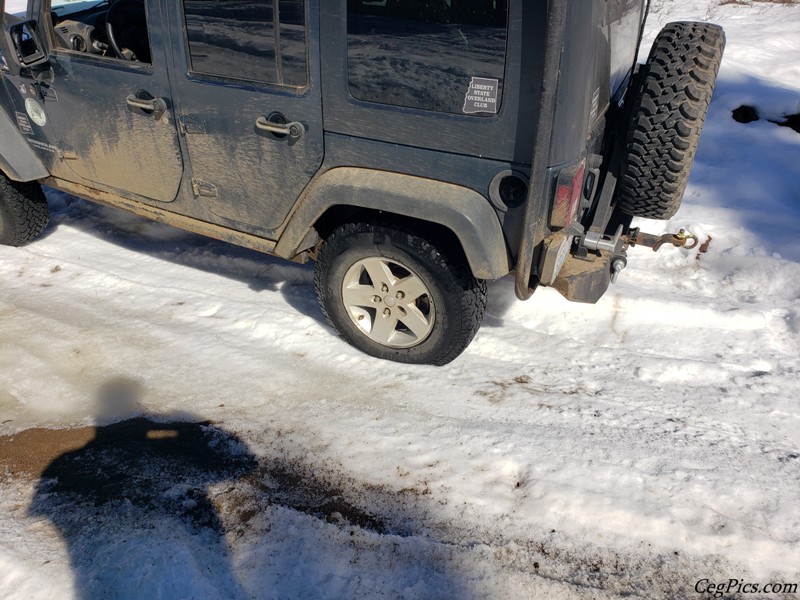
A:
(25, 48)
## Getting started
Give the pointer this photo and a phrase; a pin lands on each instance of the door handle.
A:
(294, 130)
(156, 106)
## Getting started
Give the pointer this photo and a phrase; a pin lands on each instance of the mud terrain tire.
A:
(668, 113)
(23, 211)
(395, 295)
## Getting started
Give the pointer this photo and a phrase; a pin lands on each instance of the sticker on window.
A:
(481, 96)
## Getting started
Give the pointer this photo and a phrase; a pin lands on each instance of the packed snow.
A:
(633, 447)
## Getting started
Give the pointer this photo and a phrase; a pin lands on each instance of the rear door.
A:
(245, 81)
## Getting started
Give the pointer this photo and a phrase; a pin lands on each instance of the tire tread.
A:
(24, 210)
(668, 114)
(469, 293)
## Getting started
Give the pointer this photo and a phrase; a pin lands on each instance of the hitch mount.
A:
(682, 239)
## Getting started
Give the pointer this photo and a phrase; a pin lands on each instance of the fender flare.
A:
(17, 160)
(461, 210)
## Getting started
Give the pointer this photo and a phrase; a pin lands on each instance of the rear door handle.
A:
(156, 106)
(294, 130)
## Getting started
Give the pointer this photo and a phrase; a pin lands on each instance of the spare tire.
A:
(668, 112)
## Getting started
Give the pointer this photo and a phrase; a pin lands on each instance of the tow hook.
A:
(682, 239)
(617, 244)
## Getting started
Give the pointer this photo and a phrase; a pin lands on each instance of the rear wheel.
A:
(395, 295)
(23, 211)
(667, 116)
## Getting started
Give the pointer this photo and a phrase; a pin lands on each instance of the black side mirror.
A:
(25, 46)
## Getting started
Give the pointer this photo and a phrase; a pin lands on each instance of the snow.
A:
(631, 447)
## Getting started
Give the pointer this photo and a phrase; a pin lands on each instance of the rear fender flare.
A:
(463, 211)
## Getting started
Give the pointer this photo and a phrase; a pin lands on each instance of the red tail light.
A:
(569, 188)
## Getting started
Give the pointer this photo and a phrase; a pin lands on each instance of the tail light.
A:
(569, 188)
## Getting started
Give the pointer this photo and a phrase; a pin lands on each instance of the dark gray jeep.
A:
(414, 148)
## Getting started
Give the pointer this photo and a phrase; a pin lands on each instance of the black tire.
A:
(453, 304)
(667, 116)
(23, 211)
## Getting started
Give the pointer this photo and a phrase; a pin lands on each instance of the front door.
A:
(107, 104)
(247, 89)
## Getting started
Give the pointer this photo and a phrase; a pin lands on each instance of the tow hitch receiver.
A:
(598, 260)
(682, 239)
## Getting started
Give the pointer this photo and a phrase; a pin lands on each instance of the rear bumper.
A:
(584, 279)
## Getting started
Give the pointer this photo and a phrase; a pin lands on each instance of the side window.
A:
(254, 40)
(441, 55)
(115, 29)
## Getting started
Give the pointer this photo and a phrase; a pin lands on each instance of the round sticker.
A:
(35, 112)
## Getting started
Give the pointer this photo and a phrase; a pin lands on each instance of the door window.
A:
(103, 29)
(255, 40)
(441, 55)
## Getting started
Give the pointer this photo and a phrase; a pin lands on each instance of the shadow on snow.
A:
(170, 506)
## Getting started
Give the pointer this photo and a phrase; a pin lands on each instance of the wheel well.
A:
(444, 212)
(444, 238)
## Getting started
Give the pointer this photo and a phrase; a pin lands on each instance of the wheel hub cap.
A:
(388, 302)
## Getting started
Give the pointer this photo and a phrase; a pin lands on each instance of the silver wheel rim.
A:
(388, 302)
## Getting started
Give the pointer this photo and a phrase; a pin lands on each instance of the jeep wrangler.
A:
(413, 148)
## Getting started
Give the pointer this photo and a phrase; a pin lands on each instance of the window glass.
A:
(238, 39)
(442, 55)
(293, 42)
(98, 28)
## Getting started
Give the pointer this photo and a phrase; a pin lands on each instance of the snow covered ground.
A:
(634, 447)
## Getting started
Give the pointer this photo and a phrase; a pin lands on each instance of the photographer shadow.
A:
(134, 503)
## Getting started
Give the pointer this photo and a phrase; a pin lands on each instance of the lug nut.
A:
(384, 288)
(386, 312)
(400, 295)
(376, 299)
